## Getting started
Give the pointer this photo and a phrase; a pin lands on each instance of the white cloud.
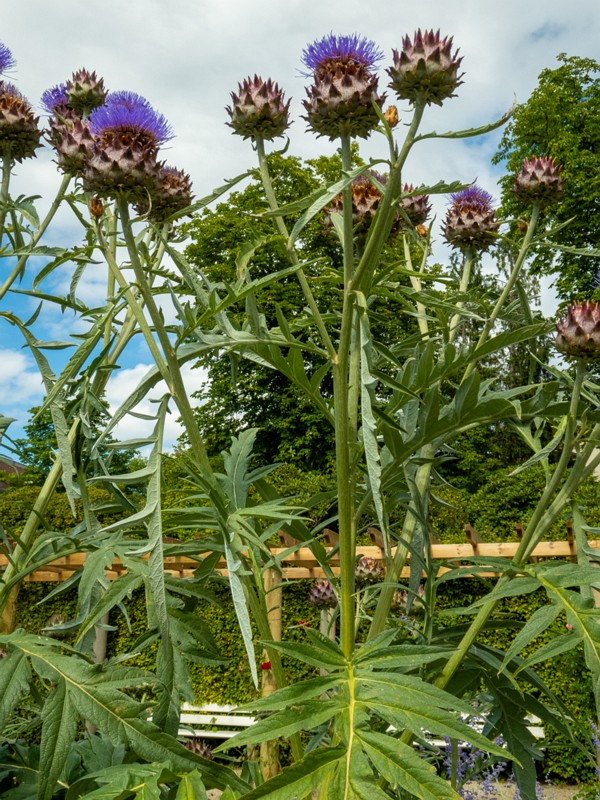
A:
(123, 383)
(21, 386)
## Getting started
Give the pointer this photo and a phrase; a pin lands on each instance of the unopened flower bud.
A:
(539, 181)
(368, 571)
(391, 116)
(85, 92)
(19, 132)
(322, 595)
(415, 207)
(259, 109)
(426, 69)
(96, 207)
(579, 332)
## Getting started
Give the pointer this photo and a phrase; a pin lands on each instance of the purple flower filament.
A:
(7, 60)
(473, 197)
(132, 118)
(353, 48)
(55, 98)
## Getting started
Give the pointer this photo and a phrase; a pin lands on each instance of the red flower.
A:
(305, 623)
(265, 665)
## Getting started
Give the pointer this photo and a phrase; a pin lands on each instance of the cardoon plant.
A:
(395, 403)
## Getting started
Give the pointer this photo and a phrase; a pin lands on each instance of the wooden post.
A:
(269, 750)
(8, 620)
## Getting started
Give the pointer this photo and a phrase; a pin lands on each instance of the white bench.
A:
(212, 721)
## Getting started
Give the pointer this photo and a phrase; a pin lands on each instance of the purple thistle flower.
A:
(474, 197)
(469, 222)
(129, 114)
(7, 60)
(332, 48)
(55, 98)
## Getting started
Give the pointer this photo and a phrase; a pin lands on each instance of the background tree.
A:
(241, 394)
(561, 119)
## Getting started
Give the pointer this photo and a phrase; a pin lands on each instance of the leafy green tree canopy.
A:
(562, 119)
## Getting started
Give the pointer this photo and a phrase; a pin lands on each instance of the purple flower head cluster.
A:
(474, 197)
(7, 60)
(55, 98)
(10, 91)
(333, 48)
(127, 113)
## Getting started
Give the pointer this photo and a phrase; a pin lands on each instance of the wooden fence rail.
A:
(301, 563)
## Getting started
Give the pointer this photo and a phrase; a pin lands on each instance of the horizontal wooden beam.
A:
(302, 564)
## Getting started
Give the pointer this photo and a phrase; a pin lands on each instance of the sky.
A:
(186, 56)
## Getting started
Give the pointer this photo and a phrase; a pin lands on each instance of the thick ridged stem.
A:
(346, 389)
(133, 304)
(348, 238)
(290, 251)
(173, 378)
(468, 261)
(7, 162)
(20, 265)
(344, 440)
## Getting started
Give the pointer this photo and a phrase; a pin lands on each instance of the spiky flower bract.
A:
(259, 109)
(579, 332)
(128, 133)
(7, 60)
(365, 200)
(171, 192)
(86, 92)
(73, 143)
(539, 181)
(415, 207)
(130, 118)
(19, 132)
(425, 70)
(470, 222)
(368, 571)
(344, 89)
(328, 52)
(322, 595)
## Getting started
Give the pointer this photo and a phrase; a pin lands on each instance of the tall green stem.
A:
(345, 401)
(465, 279)
(7, 162)
(385, 212)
